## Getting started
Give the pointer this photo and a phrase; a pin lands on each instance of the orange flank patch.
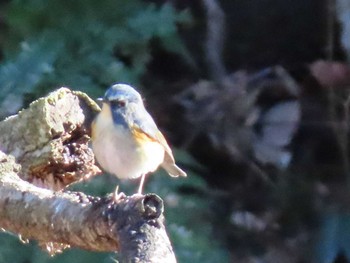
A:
(142, 137)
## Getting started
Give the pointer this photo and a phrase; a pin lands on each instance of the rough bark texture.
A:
(50, 139)
(47, 146)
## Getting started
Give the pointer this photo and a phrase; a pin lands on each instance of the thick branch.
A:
(47, 216)
(133, 225)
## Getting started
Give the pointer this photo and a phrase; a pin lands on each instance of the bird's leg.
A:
(117, 195)
(141, 183)
(116, 192)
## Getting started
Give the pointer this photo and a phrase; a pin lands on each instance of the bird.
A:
(126, 140)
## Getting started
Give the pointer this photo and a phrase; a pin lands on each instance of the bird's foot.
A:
(116, 195)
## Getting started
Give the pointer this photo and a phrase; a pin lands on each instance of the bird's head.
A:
(122, 101)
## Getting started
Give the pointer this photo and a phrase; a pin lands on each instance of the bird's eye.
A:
(118, 103)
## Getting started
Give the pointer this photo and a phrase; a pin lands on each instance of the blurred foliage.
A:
(83, 44)
(23, 73)
(13, 250)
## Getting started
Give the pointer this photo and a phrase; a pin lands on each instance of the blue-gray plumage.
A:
(125, 139)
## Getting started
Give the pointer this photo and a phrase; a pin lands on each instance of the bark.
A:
(50, 139)
(46, 145)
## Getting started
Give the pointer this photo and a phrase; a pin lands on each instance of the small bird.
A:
(125, 139)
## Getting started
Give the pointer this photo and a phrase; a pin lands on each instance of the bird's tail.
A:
(173, 170)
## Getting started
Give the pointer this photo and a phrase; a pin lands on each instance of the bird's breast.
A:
(123, 153)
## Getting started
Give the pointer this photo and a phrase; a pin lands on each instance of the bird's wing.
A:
(147, 126)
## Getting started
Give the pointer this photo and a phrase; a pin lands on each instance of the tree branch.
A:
(47, 145)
